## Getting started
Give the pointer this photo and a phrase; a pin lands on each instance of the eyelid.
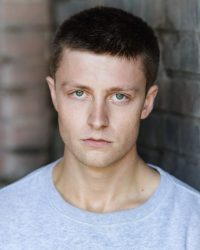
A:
(121, 93)
(74, 91)
(85, 95)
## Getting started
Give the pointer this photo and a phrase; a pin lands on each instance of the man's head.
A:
(103, 68)
(109, 31)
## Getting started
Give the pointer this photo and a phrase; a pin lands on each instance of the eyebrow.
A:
(116, 89)
(84, 87)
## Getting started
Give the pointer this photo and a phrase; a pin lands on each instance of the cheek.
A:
(126, 124)
(69, 127)
(71, 116)
(129, 125)
(129, 116)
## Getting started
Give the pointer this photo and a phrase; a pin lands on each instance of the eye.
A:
(119, 97)
(79, 94)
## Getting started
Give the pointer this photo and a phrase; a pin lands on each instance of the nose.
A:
(98, 116)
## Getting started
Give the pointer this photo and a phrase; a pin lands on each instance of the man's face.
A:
(100, 100)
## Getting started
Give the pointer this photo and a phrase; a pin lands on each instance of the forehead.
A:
(89, 68)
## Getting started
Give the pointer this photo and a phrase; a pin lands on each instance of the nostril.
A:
(98, 118)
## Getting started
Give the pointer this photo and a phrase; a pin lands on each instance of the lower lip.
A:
(93, 143)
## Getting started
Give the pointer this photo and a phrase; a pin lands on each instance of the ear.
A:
(52, 88)
(149, 101)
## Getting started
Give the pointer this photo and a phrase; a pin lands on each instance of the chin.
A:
(96, 160)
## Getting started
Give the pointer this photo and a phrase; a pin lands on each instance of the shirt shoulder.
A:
(187, 195)
(27, 190)
(184, 198)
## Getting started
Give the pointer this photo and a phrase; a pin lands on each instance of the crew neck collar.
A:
(109, 218)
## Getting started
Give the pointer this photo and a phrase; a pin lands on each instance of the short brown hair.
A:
(112, 31)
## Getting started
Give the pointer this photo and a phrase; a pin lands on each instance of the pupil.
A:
(79, 93)
(119, 96)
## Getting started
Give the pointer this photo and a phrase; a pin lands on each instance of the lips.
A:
(93, 142)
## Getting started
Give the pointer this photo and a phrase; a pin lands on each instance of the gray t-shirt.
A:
(33, 215)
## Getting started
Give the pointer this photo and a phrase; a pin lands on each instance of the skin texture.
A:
(103, 98)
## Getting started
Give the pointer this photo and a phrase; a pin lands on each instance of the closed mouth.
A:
(97, 140)
(92, 142)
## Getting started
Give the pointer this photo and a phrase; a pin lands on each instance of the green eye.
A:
(79, 93)
(119, 96)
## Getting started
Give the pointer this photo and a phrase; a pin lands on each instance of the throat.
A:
(104, 193)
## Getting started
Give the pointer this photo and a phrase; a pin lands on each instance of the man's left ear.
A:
(149, 101)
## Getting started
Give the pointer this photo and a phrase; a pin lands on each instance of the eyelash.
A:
(74, 92)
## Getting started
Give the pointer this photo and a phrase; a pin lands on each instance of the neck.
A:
(124, 185)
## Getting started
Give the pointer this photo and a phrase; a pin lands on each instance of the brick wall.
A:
(171, 136)
(25, 113)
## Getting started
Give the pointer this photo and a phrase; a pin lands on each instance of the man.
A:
(101, 194)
